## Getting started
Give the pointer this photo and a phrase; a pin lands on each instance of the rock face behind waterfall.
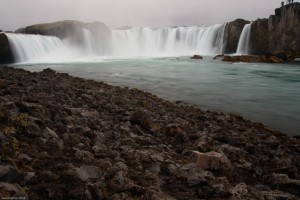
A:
(259, 39)
(63, 29)
(234, 30)
(287, 21)
(6, 55)
(279, 33)
(73, 30)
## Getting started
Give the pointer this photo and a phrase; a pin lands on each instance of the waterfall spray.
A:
(153, 42)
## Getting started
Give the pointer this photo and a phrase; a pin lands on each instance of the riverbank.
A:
(69, 138)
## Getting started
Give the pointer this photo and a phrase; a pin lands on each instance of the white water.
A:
(244, 41)
(169, 41)
(151, 42)
(41, 49)
(88, 42)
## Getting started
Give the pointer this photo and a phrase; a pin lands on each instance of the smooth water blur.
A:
(267, 93)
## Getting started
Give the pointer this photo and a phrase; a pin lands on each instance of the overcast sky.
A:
(115, 13)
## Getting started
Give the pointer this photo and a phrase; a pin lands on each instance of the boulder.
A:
(211, 160)
(143, 118)
(88, 173)
(196, 57)
(13, 191)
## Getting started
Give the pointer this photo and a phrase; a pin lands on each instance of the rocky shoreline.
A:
(69, 138)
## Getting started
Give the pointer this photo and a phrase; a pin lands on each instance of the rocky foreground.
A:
(69, 138)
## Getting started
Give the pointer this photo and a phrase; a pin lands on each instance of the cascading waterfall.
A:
(179, 41)
(244, 41)
(32, 47)
(88, 42)
(169, 41)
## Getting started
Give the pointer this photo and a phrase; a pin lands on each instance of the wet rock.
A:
(48, 71)
(212, 160)
(196, 57)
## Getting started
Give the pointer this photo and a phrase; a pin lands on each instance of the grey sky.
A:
(154, 13)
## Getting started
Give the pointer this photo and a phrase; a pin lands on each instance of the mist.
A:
(15, 14)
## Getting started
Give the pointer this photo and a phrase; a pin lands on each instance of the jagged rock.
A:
(24, 158)
(194, 175)
(239, 191)
(48, 133)
(27, 177)
(122, 196)
(49, 71)
(12, 191)
(284, 183)
(9, 174)
(88, 173)
(212, 160)
(143, 118)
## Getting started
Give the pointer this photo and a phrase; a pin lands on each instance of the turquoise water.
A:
(267, 93)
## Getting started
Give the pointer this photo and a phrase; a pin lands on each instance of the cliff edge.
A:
(279, 33)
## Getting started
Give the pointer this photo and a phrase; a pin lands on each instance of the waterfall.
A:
(206, 40)
(153, 42)
(244, 41)
(88, 41)
(33, 47)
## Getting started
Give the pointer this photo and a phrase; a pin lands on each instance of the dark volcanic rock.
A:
(6, 55)
(196, 57)
(90, 140)
(234, 30)
(278, 58)
(279, 33)
(259, 39)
